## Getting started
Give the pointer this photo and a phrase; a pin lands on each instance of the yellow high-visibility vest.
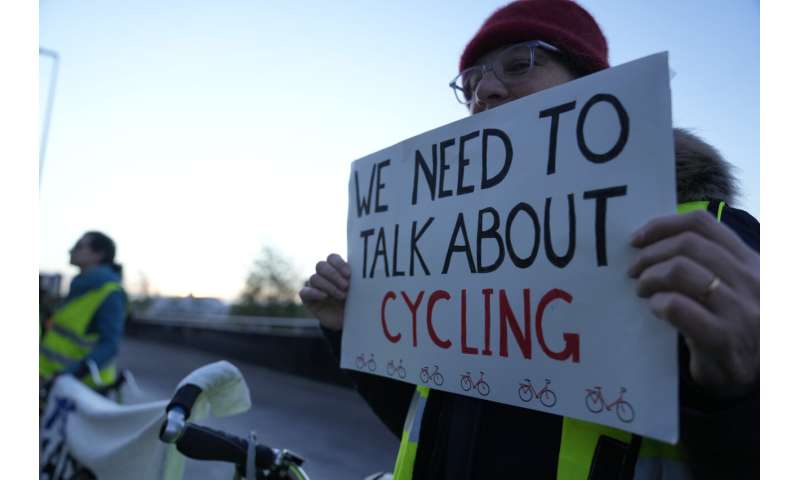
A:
(67, 340)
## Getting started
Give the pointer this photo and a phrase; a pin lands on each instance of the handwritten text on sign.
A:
(489, 255)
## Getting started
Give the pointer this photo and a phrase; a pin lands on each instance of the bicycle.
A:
(251, 459)
(468, 384)
(370, 364)
(400, 370)
(426, 377)
(546, 396)
(595, 403)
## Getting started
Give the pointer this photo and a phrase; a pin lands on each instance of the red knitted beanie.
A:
(562, 23)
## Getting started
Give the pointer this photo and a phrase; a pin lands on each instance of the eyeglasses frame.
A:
(486, 68)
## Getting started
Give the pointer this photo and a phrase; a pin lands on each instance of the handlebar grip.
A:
(203, 443)
(185, 398)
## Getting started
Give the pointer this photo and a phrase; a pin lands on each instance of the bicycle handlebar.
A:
(203, 443)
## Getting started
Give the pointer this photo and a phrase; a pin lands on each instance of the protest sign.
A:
(489, 256)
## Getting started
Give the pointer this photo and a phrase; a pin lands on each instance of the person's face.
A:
(490, 92)
(82, 255)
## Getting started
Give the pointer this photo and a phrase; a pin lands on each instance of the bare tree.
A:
(271, 287)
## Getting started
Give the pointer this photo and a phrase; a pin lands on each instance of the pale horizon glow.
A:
(196, 133)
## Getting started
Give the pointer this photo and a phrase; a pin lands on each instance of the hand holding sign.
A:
(325, 292)
(702, 278)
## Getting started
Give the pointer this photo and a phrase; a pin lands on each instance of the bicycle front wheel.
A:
(548, 398)
(483, 388)
(625, 411)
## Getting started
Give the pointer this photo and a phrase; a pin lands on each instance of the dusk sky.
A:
(195, 133)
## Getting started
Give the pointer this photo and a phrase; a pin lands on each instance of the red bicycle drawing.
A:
(467, 383)
(545, 396)
(370, 364)
(595, 403)
(426, 376)
(400, 370)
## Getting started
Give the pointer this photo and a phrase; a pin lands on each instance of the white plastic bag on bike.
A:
(120, 442)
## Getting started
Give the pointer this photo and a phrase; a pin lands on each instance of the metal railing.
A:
(279, 326)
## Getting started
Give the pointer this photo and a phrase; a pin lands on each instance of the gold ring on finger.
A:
(711, 287)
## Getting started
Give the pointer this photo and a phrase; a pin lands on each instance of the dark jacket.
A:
(467, 438)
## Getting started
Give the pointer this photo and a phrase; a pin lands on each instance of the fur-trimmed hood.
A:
(702, 173)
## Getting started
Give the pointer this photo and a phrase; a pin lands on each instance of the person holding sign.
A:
(698, 270)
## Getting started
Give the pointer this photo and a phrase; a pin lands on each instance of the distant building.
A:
(50, 284)
(185, 306)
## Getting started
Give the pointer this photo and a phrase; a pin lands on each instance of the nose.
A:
(489, 93)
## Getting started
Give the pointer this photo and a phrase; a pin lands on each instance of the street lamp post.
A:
(50, 96)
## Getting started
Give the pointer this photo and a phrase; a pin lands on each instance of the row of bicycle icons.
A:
(595, 402)
(391, 369)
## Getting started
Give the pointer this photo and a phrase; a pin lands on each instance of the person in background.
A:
(698, 270)
(85, 332)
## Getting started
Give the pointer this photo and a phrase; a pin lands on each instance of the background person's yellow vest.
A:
(67, 341)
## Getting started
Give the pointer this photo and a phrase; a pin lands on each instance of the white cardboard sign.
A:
(489, 255)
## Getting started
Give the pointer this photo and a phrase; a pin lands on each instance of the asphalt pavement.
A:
(330, 426)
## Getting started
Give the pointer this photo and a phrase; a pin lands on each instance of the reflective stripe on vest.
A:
(67, 342)
(578, 438)
(404, 465)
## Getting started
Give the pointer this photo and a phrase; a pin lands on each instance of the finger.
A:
(700, 222)
(676, 274)
(691, 318)
(327, 270)
(321, 283)
(339, 264)
(692, 246)
(683, 275)
(311, 294)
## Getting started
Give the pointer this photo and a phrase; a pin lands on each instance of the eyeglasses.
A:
(511, 66)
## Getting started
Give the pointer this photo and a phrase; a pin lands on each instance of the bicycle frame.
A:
(597, 394)
(529, 387)
(624, 410)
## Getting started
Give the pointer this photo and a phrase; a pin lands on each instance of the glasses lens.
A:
(515, 62)
(466, 82)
